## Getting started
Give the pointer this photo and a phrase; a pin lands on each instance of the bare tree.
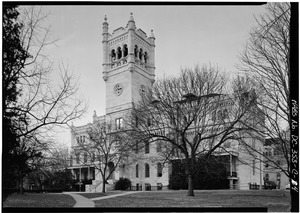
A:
(190, 116)
(44, 103)
(104, 148)
(266, 60)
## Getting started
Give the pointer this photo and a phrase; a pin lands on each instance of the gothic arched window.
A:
(113, 55)
(125, 50)
(136, 50)
(267, 177)
(147, 147)
(147, 170)
(141, 54)
(137, 171)
(119, 53)
(145, 57)
(159, 170)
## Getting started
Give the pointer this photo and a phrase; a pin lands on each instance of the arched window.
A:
(159, 170)
(145, 57)
(77, 157)
(213, 116)
(136, 50)
(220, 117)
(141, 54)
(93, 157)
(137, 171)
(136, 147)
(158, 146)
(125, 50)
(85, 157)
(111, 168)
(147, 170)
(113, 55)
(119, 53)
(278, 176)
(225, 113)
(149, 122)
(267, 177)
(147, 147)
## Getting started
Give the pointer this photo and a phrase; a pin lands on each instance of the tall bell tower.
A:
(128, 65)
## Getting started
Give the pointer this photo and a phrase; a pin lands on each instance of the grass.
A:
(275, 200)
(39, 200)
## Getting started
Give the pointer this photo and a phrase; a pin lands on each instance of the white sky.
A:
(185, 36)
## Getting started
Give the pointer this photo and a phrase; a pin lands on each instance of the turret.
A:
(152, 52)
(105, 36)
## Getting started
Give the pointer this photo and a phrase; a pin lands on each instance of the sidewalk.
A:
(81, 201)
(116, 195)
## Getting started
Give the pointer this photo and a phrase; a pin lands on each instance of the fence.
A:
(254, 186)
(148, 187)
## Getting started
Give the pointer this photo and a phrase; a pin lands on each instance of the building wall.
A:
(131, 75)
(249, 165)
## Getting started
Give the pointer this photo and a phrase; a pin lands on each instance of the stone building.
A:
(128, 69)
(275, 163)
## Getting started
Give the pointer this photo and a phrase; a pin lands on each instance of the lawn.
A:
(275, 200)
(39, 200)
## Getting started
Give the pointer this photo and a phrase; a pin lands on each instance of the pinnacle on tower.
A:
(151, 35)
(105, 25)
(105, 20)
(131, 17)
(131, 23)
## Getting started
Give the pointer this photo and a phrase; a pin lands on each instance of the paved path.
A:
(116, 195)
(81, 201)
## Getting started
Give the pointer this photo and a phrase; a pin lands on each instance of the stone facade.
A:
(129, 71)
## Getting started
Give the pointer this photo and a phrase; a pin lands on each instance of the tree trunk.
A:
(190, 186)
(103, 185)
(21, 186)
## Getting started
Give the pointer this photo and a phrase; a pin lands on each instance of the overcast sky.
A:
(185, 36)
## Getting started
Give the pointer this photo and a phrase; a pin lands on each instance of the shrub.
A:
(177, 182)
(122, 184)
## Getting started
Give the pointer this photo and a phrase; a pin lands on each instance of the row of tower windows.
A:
(119, 53)
(140, 54)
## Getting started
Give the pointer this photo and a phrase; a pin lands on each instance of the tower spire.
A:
(131, 23)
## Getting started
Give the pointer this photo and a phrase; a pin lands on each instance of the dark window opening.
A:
(85, 157)
(159, 170)
(137, 171)
(125, 50)
(113, 55)
(145, 57)
(147, 147)
(119, 123)
(136, 51)
(141, 54)
(119, 53)
(147, 170)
